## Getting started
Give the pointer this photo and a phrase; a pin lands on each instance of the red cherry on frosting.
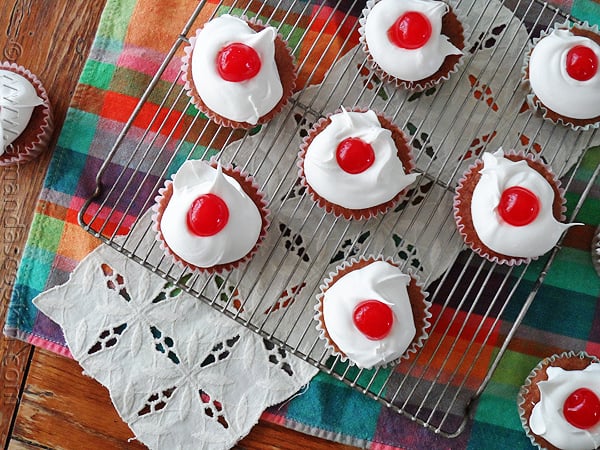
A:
(412, 30)
(354, 155)
(582, 63)
(518, 206)
(582, 409)
(374, 319)
(208, 215)
(238, 62)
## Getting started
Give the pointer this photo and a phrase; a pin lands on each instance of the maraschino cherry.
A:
(518, 206)
(582, 409)
(411, 31)
(354, 155)
(374, 319)
(582, 63)
(208, 215)
(238, 62)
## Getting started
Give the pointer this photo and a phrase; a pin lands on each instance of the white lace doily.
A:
(180, 374)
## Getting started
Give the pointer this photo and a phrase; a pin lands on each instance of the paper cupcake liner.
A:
(284, 59)
(462, 206)
(529, 395)
(404, 154)
(596, 250)
(451, 65)
(36, 136)
(249, 186)
(591, 31)
(419, 304)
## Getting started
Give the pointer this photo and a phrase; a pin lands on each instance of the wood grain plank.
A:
(52, 39)
(59, 406)
(63, 409)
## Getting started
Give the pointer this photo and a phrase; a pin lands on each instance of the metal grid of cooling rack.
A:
(477, 306)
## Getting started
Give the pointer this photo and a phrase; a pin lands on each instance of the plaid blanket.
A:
(132, 41)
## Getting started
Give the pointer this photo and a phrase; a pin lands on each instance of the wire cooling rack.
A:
(477, 306)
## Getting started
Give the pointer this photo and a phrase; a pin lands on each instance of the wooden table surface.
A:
(45, 401)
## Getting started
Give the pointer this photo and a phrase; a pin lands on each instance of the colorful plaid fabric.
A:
(132, 40)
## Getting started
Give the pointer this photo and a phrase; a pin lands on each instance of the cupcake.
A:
(25, 115)
(563, 72)
(210, 217)
(356, 164)
(370, 312)
(559, 404)
(414, 44)
(509, 208)
(238, 72)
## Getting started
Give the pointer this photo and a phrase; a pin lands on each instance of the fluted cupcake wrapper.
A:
(36, 136)
(596, 250)
(285, 65)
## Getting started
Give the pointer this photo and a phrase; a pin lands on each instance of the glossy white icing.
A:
(245, 101)
(409, 65)
(378, 184)
(552, 84)
(547, 419)
(18, 98)
(238, 238)
(527, 241)
(377, 281)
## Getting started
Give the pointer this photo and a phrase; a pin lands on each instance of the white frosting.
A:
(527, 241)
(378, 184)
(377, 281)
(404, 64)
(552, 84)
(245, 101)
(547, 418)
(18, 98)
(234, 241)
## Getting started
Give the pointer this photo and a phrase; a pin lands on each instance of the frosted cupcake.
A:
(370, 312)
(25, 115)
(559, 404)
(596, 250)
(238, 72)
(210, 218)
(509, 208)
(414, 44)
(356, 164)
(563, 72)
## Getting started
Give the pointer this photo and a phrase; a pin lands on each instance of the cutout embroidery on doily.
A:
(297, 191)
(228, 293)
(371, 81)
(420, 141)
(483, 92)
(350, 247)
(294, 242)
